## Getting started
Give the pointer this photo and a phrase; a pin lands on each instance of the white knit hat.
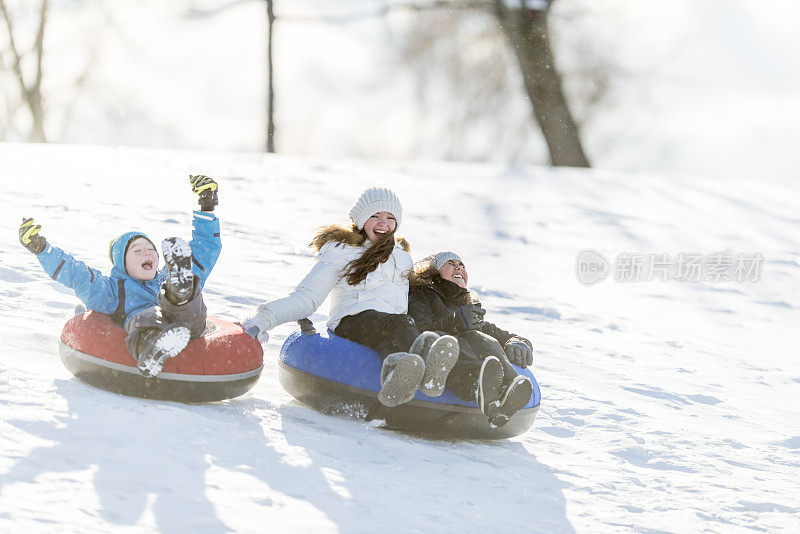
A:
(438, 260)
(372, 201)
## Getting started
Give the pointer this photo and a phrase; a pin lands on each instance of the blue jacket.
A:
(101, 293)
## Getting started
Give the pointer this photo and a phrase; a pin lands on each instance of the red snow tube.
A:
(222, 364)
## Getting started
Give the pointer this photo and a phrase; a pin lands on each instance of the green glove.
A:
(29, 236)
(206, 189)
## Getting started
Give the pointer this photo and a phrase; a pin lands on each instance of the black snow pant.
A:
(380, 331)
(475, 346)
(192, 314)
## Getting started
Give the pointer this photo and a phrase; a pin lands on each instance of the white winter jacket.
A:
(385, 289)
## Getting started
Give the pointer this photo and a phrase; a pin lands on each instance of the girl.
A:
(366, 271)
(440, 301)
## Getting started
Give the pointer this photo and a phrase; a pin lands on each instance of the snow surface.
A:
(666, 406)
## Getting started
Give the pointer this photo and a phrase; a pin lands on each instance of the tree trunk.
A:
(270, 93)
(33, 94)
(529, 35)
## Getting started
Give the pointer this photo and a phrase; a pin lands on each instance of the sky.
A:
(705, 87)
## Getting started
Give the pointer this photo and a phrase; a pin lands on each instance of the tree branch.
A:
(373, 13)
(14, 51)
(197, 13)
(389, 7)
(39, 47)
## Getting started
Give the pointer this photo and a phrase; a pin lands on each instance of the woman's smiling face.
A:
(141, 259)
(454, 271)
(379, 225)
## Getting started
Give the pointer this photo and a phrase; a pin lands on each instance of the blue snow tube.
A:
(335, 375)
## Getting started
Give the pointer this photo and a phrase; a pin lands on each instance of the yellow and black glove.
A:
(206, 189)
(29, 236)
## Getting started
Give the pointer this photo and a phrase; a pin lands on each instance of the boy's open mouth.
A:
(147, 265)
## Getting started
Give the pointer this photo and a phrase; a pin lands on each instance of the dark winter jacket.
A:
(432, 307)
(102, 293)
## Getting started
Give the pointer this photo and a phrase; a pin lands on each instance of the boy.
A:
(159, 310)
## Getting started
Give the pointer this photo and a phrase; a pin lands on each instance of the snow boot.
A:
(423, 343)
(156, 346)
(513, 399)
(440, 354)
(179, 285)
(401, 374)
(490, 379)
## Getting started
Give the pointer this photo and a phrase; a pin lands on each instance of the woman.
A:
(365, 270)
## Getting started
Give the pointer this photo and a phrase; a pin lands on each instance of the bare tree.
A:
(195, 12)
(270, 87)
(527, 30)
(463, 69)
(525, 25)
(31, 92)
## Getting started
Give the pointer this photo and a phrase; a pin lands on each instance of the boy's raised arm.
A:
(98, 292)
(206, 243)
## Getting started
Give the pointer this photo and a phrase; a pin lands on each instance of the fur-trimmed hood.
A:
(384, 289)
(424, 274)
(348, 236)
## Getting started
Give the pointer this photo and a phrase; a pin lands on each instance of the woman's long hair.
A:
(357, 270)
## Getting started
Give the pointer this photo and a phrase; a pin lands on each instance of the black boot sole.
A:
(490, 380)
(514, 398)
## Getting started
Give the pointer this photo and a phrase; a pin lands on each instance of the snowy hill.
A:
(667, 405)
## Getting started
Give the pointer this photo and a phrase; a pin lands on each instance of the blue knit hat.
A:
(119, 246)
